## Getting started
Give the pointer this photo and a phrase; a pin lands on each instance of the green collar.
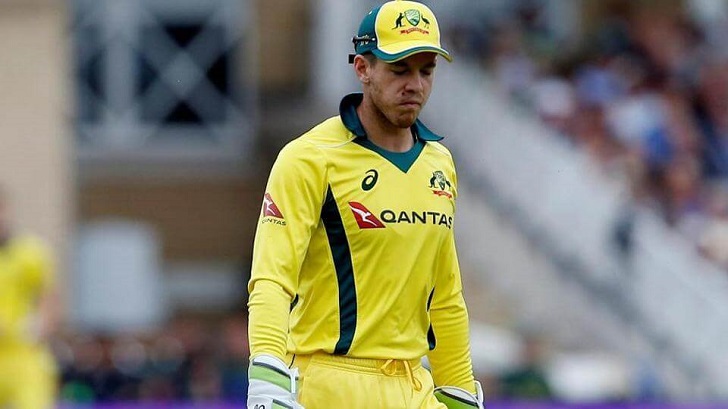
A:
(403, 160)
(347, 110)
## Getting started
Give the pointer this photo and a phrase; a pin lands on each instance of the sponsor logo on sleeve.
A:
(271, 212)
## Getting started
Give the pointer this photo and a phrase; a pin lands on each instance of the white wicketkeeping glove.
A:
(272, 385)
(458, 398)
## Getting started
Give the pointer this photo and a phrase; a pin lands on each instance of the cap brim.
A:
(405, 50)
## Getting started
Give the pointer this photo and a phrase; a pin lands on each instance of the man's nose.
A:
(415, 83)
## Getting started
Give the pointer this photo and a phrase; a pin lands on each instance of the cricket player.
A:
(27, 314)
(355, 276)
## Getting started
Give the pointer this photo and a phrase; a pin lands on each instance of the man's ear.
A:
(362, 69)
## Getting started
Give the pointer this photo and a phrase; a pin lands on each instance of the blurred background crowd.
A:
(138, 135)
(645, 93)
(196, 360)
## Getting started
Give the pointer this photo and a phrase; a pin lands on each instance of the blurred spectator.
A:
(528, 381)
(681, 192)
(597, 85)
(590, 133)
(712, 114)
(164, 378)
(555, 101)
(109, 382)
(205, 382)
(78, 376)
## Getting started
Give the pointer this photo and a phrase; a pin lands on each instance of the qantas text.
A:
(414, 217)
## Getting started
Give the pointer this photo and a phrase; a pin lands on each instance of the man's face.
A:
(399, 90)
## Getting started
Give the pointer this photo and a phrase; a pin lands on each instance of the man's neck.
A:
(381, 131)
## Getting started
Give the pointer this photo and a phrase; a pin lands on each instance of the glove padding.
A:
(458, 398)
(272, 385)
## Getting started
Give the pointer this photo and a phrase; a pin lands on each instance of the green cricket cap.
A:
(397, 29)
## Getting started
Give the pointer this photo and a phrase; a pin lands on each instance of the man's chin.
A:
(405, 120)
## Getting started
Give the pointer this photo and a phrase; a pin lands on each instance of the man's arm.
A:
(450, 359)
(290, 212)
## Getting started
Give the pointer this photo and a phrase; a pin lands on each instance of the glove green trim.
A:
(280, 405)
(269, 374)
(454, 402)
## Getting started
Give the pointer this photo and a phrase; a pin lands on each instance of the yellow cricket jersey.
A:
(25, 271)
(354, 252)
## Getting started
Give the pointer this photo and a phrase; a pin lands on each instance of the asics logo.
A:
(369, 180)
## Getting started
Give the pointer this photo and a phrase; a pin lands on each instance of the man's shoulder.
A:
(311, 146)
(439, 149)
(329, 133)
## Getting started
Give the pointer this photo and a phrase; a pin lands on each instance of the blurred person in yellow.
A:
(28, 313)
(355, 276)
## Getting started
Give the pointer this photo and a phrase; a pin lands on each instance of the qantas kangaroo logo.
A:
(269, 207)
(364, 218)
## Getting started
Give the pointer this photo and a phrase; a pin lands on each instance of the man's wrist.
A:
(271, 383)
(458, 398)
(272, 369)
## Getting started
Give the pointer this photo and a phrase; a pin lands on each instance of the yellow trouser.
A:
(331, 381)
(27, 377)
